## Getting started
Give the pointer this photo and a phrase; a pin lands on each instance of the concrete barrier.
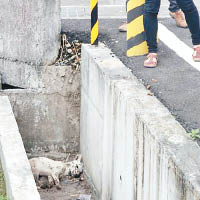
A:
(132, 147)
(30, 31)
(48, 117)
(20, 184)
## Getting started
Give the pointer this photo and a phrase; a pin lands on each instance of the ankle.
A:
(197, 45)
(178, 11)
(154, 54)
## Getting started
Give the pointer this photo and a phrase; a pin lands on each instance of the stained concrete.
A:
(132, 147)
(47, 109)
(30, 31)
(20, 184)
(49, 116)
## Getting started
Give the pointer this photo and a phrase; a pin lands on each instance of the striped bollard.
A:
(136, 43)
(94, 22)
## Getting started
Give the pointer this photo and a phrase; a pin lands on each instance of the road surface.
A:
(175, 82)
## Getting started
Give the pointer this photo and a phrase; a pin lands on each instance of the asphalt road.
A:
(178, 83)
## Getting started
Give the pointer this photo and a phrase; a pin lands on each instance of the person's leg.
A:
(176, 13)
(173, 6)
(151, 10)
(151, 29)
(192, 18)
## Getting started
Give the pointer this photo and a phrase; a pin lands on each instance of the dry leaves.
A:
(70, 53)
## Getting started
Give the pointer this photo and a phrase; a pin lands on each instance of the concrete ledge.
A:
(20, 184)
(132, 147)
(20, 74)
(48, 117)
(30, 31)
(26, 76)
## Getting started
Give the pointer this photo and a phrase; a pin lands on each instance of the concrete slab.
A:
(48, 117)
(20, 184)
(30, 31)
(143, 151)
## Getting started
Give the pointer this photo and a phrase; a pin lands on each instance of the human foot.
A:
(196, 54)
(179, 18)
(151, 61)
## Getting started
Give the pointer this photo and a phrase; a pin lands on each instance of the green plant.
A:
(2, 185)
(3, 197)
(195, 134)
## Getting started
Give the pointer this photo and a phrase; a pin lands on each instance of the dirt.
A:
(71, 190)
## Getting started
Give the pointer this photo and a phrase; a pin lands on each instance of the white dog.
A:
(54, 170)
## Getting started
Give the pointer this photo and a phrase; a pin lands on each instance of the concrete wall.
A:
(48, 109)
(20, 184)
(49, 117)
(132, 147)
(30, 31)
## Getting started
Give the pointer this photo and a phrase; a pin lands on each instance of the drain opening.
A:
(10, 87)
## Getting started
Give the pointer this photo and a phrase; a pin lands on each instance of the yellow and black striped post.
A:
(94, 22)
(136, 43)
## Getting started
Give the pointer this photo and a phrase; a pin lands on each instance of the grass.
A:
(195, 134)
(2, 185)
(3, 198)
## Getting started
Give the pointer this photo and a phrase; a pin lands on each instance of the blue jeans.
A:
(151, 22)
(173, 6)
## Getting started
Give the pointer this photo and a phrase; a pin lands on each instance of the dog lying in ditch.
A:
(48, 172)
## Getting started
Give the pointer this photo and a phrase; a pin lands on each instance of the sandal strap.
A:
(151, 61)
(152, 57)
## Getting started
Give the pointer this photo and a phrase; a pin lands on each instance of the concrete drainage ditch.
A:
(48, 117)
(48, 120)
(39, 98)
(132, 147)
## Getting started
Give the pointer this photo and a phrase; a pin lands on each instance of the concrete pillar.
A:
(30, 31)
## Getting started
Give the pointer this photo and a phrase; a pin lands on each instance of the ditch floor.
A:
(71, 190)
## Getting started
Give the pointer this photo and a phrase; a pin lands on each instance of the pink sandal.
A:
(151, 61)
(196, 54)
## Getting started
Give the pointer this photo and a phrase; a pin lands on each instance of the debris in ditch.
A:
(71, 190)
(70, 53)
(43, 183)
